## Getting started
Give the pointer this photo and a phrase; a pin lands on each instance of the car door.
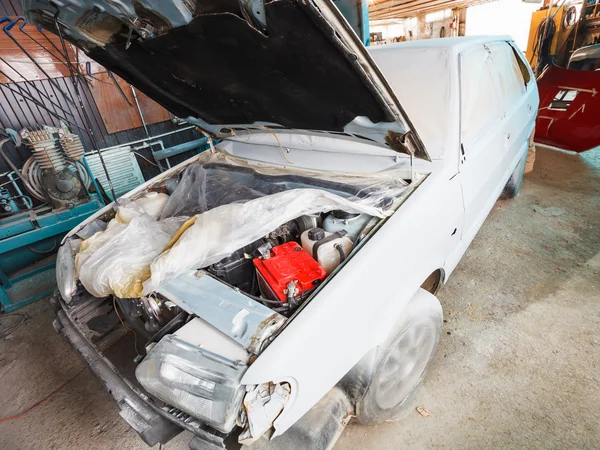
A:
(518, 102)
(482, 134)
(498, 105)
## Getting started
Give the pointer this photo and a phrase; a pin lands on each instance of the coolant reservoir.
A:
(351, 223)
(328, 249)
(153, 203)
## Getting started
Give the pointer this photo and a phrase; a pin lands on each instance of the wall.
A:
(511, 17)
(422, 26)
(46, 98)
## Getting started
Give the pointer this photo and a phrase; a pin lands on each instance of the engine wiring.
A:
(135, 343)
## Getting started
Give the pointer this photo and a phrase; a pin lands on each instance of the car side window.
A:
(480, 103)
(523, 65)
(511, 82)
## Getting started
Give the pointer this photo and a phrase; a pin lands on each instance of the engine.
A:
(282, 269)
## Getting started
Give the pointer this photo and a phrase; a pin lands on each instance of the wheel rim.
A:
(406, 364)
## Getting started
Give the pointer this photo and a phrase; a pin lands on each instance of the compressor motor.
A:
(55, 172)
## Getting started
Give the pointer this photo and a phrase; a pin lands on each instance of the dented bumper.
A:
(153, 424)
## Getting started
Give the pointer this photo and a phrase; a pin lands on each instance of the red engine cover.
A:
(289, 262)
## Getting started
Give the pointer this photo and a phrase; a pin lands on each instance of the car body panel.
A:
(424, 235)
(224, 71)
(395, 261)
(588, 53)
(353, 311)
(574, 124)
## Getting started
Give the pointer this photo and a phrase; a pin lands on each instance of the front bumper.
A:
(153, 424)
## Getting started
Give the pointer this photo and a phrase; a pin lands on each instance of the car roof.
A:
(588, 52)
(456, 44)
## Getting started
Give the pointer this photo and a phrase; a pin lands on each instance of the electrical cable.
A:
(135, 343)
(14, 168)
(53, 82)
(278, 142)
(12, 328)
(31, 174)
(85, 115)
(42, 401)
(31, 84)
(144, 158)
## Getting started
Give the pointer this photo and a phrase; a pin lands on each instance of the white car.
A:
(284, 281)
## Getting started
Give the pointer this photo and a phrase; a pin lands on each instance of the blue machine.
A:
(28, 242)
(29, 237)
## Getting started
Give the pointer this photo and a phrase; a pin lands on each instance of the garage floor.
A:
(518, 366)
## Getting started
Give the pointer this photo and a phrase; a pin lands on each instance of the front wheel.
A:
(402, 360)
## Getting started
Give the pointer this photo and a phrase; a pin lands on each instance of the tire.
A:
(512, 189)
(402, 361)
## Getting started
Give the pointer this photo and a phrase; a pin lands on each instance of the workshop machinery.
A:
(54, 197)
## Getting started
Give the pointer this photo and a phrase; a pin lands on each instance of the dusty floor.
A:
(518, 367)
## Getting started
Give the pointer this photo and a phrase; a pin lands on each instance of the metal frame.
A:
(25, 229)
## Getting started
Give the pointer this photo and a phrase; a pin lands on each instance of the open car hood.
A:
(241, 64)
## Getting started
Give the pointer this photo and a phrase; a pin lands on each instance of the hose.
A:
(340, 250)
(14, 168)
(543, 39)
(32, 174)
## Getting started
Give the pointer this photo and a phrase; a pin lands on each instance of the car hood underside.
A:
(228, 64)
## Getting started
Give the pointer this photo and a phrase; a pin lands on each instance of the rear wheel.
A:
(402, 361)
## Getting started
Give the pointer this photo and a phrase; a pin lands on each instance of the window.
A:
(522, 65)
(480, 103)
(563, 99)
(510, 78)
(438, 15)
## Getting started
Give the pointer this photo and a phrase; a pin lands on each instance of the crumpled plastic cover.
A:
(117, 260)
(232, 203)
(219, 232)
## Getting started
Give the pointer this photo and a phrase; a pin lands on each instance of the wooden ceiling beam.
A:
(411, 8)
(416, 5)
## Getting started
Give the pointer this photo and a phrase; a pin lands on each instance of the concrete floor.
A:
(518, 366)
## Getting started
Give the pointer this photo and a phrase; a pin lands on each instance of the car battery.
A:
(290, 273)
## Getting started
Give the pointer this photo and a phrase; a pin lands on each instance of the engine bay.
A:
(208, 263)
(271, 234)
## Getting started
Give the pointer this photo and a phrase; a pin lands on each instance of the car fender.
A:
(355, 311)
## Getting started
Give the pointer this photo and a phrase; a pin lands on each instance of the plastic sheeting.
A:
(219, 179)
(232, 204)
(510, 77)
(220, 231)
(117, 261)
(481, 100)
(427, 98)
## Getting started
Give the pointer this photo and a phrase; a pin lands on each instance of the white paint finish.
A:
(323, 155)
(491, 155)
(355, 310)
(428, 97)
